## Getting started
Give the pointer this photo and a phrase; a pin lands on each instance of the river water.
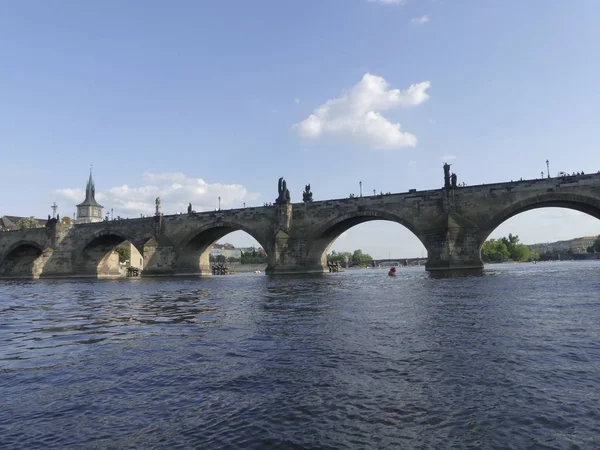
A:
(508, 359)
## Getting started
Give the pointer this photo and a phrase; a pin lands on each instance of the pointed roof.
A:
(90, 192)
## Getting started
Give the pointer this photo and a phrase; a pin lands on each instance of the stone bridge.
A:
(451, 223)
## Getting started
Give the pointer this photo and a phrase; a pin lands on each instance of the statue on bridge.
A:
(190, 208)
(157, 203)
(447, 175)
(51, 222)
(307, 195)
(284, 193)
(453, 177)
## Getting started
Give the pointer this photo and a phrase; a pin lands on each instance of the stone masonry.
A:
(451, 223)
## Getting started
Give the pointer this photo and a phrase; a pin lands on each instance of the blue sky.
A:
(194, 100)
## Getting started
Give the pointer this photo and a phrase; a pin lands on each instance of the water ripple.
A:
(510, 359)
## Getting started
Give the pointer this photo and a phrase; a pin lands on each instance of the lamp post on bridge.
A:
(548, 168)
(360, 187)
(542, 172)
(219, 203)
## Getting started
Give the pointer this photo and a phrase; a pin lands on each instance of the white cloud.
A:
(175, 190)
(448, 157)
(388, 2)
(355, 114)
(420, 20)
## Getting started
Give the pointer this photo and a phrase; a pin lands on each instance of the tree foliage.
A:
(253, 257)
(218, 259)
(494, 251)
(123, 252)
(28, 222)
(498, 250)
(595, 247)
(341, 257)
(360, 258)
(355, 258)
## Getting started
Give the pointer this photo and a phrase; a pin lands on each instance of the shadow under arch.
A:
(23, 259)
(326, 235)
(581, 203)
(193, 251)
(95, 256)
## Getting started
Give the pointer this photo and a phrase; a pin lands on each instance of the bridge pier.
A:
(158, 259)
(453, 248)
(178, 270)
(290, 255)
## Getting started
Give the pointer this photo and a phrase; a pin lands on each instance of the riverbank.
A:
(240, 268)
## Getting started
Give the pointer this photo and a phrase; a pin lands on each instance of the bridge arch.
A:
(23, 259)
(193, 250)
(581, 203)
(324, 236)
(95, 254)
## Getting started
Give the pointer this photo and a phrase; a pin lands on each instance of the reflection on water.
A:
(458, 273)
(505, 359)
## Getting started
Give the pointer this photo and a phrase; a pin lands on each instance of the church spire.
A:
(90, 193)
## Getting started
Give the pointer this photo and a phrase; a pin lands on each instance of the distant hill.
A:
(576, 245)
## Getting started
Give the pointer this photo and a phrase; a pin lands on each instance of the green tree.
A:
(253, 257)
(498, 250)
(534, 255)
(511, 242)
(595, 247)
(356, 258)
(520, 253)
(341, 256)
(360, 258)
(220, 259)
(28, 222)
(494, 251)
(123, 252)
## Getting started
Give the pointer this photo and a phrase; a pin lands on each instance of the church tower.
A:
(89, 210)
